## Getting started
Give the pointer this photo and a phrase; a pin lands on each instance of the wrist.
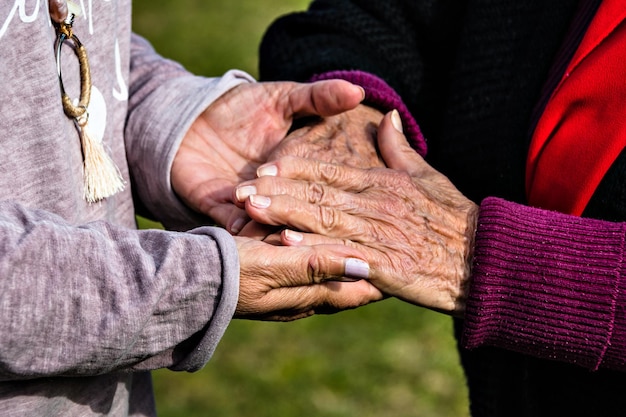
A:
(468, 260)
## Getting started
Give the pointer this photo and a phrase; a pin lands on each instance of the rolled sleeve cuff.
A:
(548, 285)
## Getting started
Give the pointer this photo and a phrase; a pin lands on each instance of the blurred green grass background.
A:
(389, 359)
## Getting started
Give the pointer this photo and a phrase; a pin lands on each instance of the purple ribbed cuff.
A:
(615, 356)
(548, 285)
(381, 96)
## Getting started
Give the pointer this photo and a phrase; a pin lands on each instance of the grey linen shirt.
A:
(88, 304)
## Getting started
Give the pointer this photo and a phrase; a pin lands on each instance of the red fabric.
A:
(583, 127)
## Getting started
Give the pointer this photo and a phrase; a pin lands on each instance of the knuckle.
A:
(316, 269)
(329, 173)
(347, 242)
(328, 218)
(315, 193)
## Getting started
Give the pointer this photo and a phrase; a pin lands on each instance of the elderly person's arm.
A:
(529, 280)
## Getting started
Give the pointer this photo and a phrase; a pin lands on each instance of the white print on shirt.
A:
(19, 6)
(97, 110)
(122, 93)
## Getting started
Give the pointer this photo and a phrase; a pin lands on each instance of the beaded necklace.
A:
(101, 177)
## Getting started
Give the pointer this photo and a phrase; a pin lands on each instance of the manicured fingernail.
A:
(357, 268)
(293, 236)
(260, 201)
(244, 192)
(267, 171)
(396, 121)
(237, 226)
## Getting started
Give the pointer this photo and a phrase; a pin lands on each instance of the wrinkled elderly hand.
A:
(238, 132)
(414, 227)
(348, 138)
(287, 283)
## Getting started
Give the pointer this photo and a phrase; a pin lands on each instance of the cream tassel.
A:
(101, 177)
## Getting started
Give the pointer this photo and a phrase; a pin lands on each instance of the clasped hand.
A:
(405, 227)
(413, 226)
(225, 146)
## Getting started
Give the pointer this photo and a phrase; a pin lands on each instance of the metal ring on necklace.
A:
(74, 111)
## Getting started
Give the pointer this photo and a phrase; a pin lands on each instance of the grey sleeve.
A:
(92, 299)
(164, 100)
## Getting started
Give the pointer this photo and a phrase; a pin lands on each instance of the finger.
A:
(297, 214)
(311, 192)
(334, 263)
(378, 273)
(258, 231)
(339, 176)
(323, 98)
(214, 199)
(285, 266)
(325, 298)
(289, 237)
(344, 295)
(395, 149)
(237, 218)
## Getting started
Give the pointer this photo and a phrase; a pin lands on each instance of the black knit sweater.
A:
(471, 72)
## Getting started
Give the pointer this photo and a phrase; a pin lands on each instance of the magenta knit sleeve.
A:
(544, 284)
(548, 285)
(381, 96)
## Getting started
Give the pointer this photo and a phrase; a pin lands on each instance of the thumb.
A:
(395, 149)
(323, 98)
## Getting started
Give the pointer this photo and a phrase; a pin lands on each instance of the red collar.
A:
(583, 127)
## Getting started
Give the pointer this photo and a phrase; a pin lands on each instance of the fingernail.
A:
(357, 268)
(362, 93)
(237, 226)
(267, 171)
(293, 236)
(244, 192)
(396, 121)
(260, 201)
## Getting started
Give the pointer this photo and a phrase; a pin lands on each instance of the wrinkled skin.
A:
(238, 132)
(348, 138)
(287, 283)
(225, 146)
(414, 227)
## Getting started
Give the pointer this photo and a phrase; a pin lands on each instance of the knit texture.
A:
(532, 294)
(471, 74)
(379, 95)
(89, 304)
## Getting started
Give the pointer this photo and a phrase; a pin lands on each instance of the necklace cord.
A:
(101, 177)
(74, 111)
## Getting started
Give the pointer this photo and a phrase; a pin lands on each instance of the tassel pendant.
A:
(101, 177)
